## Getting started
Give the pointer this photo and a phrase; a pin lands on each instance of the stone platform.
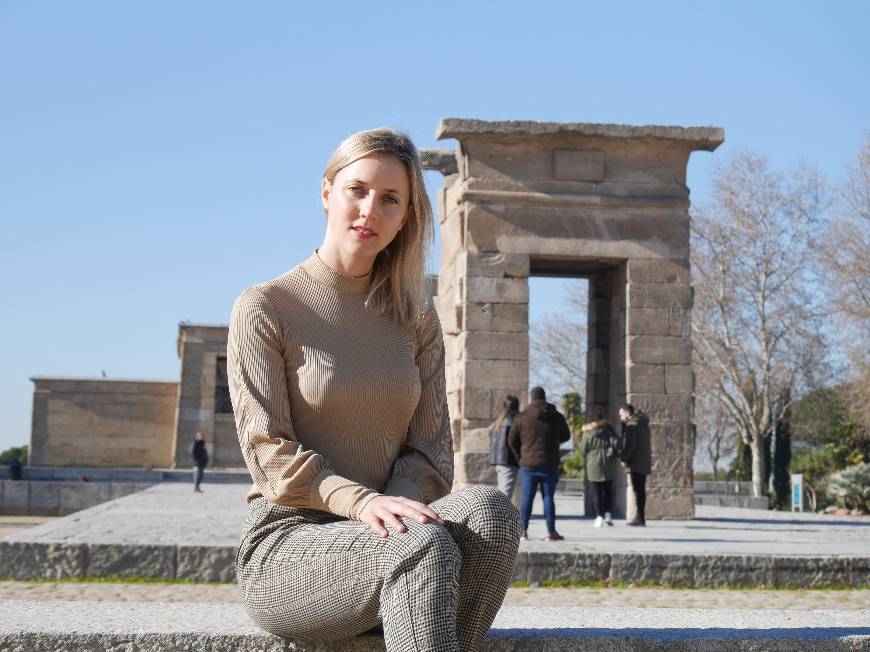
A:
(168, 531)
(136, 627)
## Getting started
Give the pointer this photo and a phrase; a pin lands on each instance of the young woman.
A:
(336, 375)
(500, 454)
(601, 469)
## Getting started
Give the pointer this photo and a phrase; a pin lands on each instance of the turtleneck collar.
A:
(328, 277)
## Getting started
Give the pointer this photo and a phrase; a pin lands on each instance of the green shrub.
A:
(11, 453)
(852, 486)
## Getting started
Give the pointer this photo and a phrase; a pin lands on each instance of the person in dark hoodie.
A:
(199, 455)
(636, 456)
(534, 438)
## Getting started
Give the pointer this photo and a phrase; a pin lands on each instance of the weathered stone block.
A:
(77, 496)
(578, 165)
(131, 560)
(673, 470)
(648, 321)
(475, 439)
(565, 567)
(486, 289)
(663, 407)
(666, 570)
(207, 563)
(478, 317)
(805, 572)
(44, 498)
(477, 403)
(677, 506)
(716, 571)
(860, 572)
(653, 349)
(510, 318)
(496, 374)
(679, 379)
(30, 560)
(499, 265)
(658, 270)
(659, 295)
(679, 322)
(645, 378)
(16, 497)
(483, 345)
(472, 467)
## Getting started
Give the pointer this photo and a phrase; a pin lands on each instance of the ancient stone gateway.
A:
(605, 202)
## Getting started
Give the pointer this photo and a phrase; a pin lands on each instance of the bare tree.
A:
(715, 431)
(557, 344)
(845, 258)
(756, 323)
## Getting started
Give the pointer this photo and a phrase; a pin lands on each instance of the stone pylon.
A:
(604, 202)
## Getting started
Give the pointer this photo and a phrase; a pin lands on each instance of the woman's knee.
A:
(491, 515)
(424, 542)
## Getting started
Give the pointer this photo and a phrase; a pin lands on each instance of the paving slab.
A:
(170, 531)
(186, 626)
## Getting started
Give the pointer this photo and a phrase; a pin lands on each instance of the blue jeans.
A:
(530, 478)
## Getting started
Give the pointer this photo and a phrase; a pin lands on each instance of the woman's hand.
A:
(387, 510)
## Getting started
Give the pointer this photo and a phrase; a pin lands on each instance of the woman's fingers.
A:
(387, 511)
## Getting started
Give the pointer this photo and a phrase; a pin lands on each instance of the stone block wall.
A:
(102, 423)
(606, 202)
(202, 350)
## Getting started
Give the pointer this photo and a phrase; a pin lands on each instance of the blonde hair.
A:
(397, 275)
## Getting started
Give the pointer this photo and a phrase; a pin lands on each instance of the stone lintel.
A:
(702, 138)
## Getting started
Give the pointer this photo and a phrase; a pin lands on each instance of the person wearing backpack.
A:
(636, 456)
(500, 454)
(601, 449)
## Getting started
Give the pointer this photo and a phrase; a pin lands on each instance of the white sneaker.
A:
(598, 522)
(608, 518)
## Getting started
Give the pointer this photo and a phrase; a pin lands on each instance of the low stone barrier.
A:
(23, 560)
(141, 627)
(56, 498)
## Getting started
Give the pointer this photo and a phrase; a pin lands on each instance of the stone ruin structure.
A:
(604, 202)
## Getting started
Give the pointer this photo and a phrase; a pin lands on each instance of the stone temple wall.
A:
(102, 422)
(605, 202)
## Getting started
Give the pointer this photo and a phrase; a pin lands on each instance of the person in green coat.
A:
(636, 456)
(600, 445)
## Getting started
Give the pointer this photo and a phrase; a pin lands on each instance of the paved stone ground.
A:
(10, 524)
(171, 514)
(541, 597)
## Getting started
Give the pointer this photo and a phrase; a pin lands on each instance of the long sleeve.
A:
(283, 470)
(629, 443)
(424, 469)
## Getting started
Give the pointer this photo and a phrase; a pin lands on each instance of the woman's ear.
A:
(325, 189)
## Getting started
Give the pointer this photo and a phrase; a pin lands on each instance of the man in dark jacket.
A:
(636, 456)
(534, 438)
(199, 455)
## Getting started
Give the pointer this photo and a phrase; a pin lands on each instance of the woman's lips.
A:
(363, 233)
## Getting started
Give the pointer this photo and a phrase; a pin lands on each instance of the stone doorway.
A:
(608, 202)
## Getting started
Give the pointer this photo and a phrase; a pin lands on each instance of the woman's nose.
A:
(367, 206)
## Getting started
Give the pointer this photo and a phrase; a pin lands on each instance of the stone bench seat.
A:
(140, 627)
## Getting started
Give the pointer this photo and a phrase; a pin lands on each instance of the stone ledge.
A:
(24, 560)
(707, 138)
(140, 627)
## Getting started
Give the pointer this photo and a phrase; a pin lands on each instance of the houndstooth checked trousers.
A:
(309, 574)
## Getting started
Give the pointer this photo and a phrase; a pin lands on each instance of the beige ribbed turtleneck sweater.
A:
(335, 404)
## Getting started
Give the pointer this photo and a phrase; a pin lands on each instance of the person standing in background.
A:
(636, 456)
(534, 438)
(199, 454)
(500, 454)
(600, 446)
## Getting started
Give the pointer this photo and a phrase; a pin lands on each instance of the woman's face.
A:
(366, 206)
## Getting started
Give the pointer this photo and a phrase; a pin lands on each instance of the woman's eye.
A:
(355, 188)
(391, 199)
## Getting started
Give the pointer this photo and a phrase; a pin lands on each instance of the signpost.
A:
(797, 492)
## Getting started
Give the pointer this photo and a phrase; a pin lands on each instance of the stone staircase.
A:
(141, 627)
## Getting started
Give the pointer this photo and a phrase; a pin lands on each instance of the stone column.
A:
(659, 377)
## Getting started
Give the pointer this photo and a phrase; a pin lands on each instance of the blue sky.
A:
(156, 159)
